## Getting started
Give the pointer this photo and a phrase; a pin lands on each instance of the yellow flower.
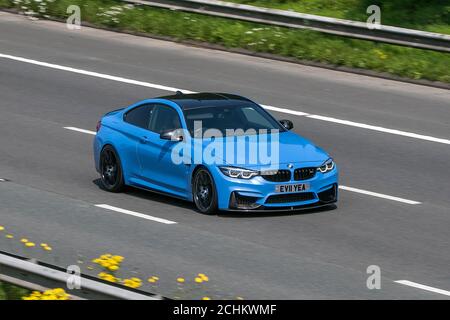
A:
(109, 262)
(206, 298)
(23, 240)
(35, 295)
(9, 236)
(2, 228)
(29, 244)
(203, 277)
(198, 280)
(107, 277)
(54, 294)
(113, 268)
(44, 245)
(58, 291)
(381, 54)
(47, 248)
(180, 280)
(133, 282)
(118, 258)
(153, 279)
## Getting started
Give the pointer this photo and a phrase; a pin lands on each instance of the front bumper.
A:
(284, 209)
(258, 194)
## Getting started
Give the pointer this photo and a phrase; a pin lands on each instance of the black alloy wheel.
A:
(111, 170)
(204, 192)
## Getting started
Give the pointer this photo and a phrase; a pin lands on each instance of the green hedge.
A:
(300, 44)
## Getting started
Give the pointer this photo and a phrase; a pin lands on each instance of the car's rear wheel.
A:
(111, 170)
(204, 192)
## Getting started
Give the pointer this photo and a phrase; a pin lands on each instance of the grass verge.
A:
(299, 44)
(428, 15)
(11, 292)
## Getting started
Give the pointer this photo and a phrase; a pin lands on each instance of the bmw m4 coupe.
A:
(220, 151)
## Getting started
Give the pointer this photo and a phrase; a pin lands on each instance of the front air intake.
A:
(291, 197)
(241, 202)
(329, 195)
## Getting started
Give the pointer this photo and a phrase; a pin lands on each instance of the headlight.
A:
(327, 166)
(239, 173)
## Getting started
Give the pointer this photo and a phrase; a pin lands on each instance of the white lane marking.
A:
(381, 129)
(81, 130)
(423, 287)
(282, 110)
(136, 214)
(92, 74)
(379, 195)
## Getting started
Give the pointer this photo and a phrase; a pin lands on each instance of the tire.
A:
(204, 192)
(111, 174)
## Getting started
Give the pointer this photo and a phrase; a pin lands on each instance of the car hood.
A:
(292, 149)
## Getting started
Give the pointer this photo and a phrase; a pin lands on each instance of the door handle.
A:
(144, 139)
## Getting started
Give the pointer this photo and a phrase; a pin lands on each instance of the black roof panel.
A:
(205, 99)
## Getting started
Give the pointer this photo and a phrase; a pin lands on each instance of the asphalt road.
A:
(52, 189)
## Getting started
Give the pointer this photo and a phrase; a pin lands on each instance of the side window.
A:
(140, 116)
(164, 118)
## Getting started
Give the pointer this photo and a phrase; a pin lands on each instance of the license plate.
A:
(299, 187)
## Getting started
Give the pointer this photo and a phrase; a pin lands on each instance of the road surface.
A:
(390, 139)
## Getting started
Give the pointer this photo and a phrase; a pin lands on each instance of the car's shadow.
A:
(166, 199)
(151, 196)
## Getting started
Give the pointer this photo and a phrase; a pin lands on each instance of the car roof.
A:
(205, 99)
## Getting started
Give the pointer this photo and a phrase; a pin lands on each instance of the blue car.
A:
(220, 151)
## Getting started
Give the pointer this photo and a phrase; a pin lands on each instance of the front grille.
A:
(292, 197)
(277, 176)
(304, 173)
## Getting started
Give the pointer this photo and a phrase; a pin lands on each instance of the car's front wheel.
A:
(111, 170)
(204, 191)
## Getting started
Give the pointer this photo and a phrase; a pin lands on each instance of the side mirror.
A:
(287, 124)
(173, 135)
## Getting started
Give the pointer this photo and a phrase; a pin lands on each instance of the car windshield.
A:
(230, 120)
